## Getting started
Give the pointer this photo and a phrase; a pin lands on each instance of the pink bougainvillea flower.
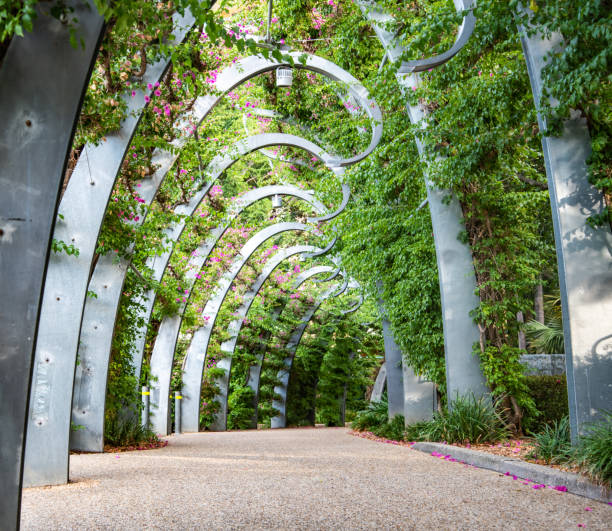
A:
(149, 86)
(561, 488)
(147, 99)
(588, 508)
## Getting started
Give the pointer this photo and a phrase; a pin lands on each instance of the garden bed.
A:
(152, 445)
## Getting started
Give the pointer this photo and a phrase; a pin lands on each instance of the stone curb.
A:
(537, 473)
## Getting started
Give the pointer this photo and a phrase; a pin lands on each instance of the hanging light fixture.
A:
(277, 201)
(284, 76)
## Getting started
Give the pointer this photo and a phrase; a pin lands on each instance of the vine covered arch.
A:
(52, 326)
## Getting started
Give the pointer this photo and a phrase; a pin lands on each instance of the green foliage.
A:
(594, 450)
(553, 444)
(394, 429)
(15, 16)
(471, 420)
(549, 394)
(60, 246)
(505, 375)
(481, 145)
(547, 337)
(126, 431)
(241, 410)
(374, 416)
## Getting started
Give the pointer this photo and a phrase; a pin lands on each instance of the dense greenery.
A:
(471, 420)
(549, 393)
(592, 454)
(481, 146)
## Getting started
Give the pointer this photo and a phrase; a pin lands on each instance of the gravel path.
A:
(295, 479)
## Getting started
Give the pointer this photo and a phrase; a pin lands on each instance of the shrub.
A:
(126, 431)
(471, 420)
(394, 429)
(241, 410)
(553, 443)
(594, 452)
(550, 396)
(374, 416)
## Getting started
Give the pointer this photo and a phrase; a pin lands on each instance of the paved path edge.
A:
(538, 473)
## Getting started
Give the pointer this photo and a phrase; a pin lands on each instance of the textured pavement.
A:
(295, 479)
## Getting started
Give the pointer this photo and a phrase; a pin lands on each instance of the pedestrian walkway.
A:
(295, 479)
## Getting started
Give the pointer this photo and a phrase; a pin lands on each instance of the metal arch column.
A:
(379, 384)
(42, 82)
(584, 253)
(163, 351)
(99, 317)
(83, 206)
(255, 370)
(407, 394)
(280, 420)
(455, 267)
(228, 347)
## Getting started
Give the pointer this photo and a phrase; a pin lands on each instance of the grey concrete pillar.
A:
(42, 81)
(584, 254)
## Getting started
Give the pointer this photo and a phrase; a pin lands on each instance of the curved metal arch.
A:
(228, 347)
(42, 81)
(280, 420)
(266, 152)
(331, 277)
(163, 351)
(255, 369)
(322, 252)
(394, 53)
(83, 207)
(89, 395)
(355, 307)
(454, 259)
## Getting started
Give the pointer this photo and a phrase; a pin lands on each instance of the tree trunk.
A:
(538, 303)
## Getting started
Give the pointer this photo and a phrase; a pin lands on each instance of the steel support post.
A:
(379, 383)
(584, 253)
(395, 378)
(455, 268)
(42, 82)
